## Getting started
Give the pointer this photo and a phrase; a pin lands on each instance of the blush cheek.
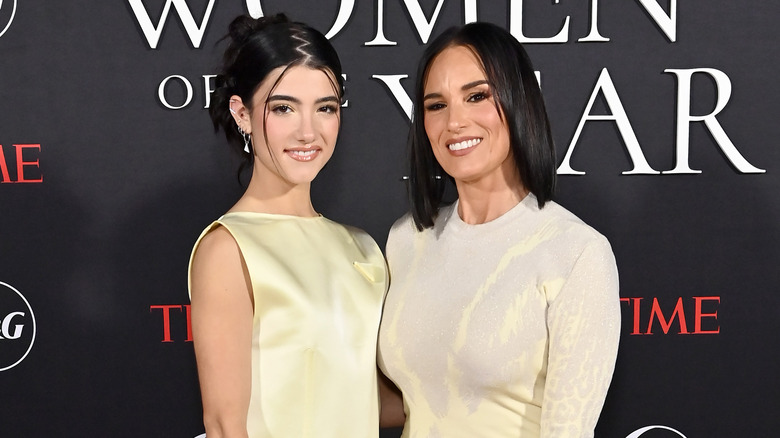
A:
(431, 128)
(273, 130)
(333, 131)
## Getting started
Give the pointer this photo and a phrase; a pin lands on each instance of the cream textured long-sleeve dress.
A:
(503, 329)
(318, 288)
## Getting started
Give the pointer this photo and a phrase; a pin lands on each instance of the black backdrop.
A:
(110, 169)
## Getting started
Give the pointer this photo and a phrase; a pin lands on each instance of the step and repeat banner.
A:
(665, 118)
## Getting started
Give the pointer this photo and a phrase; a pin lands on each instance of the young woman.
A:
(285, 303)
(503, 315)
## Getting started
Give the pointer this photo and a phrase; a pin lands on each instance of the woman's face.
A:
(468, 135)
(301, 124)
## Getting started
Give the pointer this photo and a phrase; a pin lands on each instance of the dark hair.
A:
(511, 78)
(256, 47)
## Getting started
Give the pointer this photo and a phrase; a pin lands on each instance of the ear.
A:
(240, 113)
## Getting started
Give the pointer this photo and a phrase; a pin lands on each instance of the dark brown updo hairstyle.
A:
(255, 48)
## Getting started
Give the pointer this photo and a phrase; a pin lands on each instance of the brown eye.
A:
(281, 109)
(477, 97)
(329, 109)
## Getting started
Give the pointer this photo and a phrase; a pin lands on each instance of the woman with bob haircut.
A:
(502, 319)
(285, 303)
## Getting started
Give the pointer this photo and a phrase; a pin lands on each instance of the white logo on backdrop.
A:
(4, 12)
(196, 31)
(14, 326)
(639, 432)
(152, 33)
(667, 23)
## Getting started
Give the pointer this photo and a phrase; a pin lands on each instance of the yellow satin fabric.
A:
(318, 288)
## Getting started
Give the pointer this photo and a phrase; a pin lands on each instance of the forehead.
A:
(297, 80)
(454, 64)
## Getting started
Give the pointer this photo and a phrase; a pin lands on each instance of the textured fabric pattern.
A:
(504, 329)
(318, 288)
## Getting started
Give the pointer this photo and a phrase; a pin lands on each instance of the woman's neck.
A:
(484, 201)
(272, 195)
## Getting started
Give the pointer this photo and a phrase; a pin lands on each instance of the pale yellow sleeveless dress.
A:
(318, 289)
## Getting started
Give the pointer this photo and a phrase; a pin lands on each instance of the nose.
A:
(307, 129)
(455, 117)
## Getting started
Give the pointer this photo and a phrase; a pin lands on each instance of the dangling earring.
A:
(247, 139)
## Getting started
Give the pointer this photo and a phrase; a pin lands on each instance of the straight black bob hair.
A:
(512, 82)
(255, 48)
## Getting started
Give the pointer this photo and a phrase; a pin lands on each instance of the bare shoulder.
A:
(216, 244)
(217, 263)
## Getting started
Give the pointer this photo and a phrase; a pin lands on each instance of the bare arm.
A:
(391, 405)
(222, 312)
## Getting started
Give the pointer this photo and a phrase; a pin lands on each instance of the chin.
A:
(302, 178)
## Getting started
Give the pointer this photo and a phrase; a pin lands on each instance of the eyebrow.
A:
(465, 87)
(298, 101)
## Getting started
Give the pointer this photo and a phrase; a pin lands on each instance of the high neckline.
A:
(457, 225)
(273, 215)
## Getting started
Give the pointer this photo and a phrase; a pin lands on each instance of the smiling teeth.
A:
(303, 154)
(464, 144)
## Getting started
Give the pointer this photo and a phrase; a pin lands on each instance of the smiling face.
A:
(468, 135)
(301, 124)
